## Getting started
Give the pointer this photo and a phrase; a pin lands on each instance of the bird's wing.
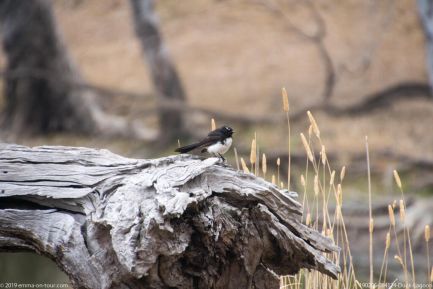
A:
(215, 133)
(212, 138)
(209, 140)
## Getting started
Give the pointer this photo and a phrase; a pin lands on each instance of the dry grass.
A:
(328, 190)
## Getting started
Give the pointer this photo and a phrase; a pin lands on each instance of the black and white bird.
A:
(217, 142)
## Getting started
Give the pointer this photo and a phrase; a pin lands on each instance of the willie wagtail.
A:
(217, 142)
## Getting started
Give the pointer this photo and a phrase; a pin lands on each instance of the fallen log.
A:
(174, 222)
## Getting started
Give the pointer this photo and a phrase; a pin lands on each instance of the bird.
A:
(217, 142)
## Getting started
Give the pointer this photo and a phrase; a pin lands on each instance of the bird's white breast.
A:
(220, 147)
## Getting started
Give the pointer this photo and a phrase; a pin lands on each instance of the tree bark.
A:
(43, 88)
(425, 8)
(39, 91)
(174, 222)
(165, 79)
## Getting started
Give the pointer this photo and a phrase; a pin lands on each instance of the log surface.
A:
(174, 222)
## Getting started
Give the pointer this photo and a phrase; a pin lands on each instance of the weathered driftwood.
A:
(174, 222)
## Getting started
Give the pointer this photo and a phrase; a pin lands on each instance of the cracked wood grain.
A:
(173, 222)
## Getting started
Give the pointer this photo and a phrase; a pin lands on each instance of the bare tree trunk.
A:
(166, 81)
(39, 91)
(174, 222)
(425, 8)
(44, 90)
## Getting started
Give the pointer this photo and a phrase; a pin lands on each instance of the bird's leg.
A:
(222, 158)
(217, 155)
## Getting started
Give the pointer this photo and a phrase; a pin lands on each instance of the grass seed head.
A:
(371, 226)
(397, 179)
(307, 148)
(402, 210)
(253, 154)
(244, 166)
(388, 240)
(303, 183)
(391, 215)
(323, 155)
(339, 195)
(314, 124)
(264, 164)
(342, 173)
(212, 124)
(308, 219)
(331, 179)
(427, 233)
(285, 100)
(273, 180)
(398, 258)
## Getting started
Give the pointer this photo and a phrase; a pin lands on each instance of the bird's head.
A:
(227, 131)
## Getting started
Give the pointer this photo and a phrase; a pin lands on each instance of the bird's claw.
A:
(222, 158)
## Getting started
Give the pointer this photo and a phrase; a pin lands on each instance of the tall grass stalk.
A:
(253, 155)
(237, 159)
(371, 222)
(286, 108)
(427, 240)
(406, 233)
(327, 191)
(278, 170)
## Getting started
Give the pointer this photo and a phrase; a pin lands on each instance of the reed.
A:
(236, 158)
(431, 275)
(342, 173)
(244, 166)
(307, 148)
(384, 266)
(253, 155)
(278, 169)
(314, 125)
(427, 240)
(369, 213)
(320, 179)
(286, 110)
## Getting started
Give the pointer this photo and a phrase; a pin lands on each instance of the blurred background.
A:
(136, 78)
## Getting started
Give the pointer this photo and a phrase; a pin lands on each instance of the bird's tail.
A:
(187, 148)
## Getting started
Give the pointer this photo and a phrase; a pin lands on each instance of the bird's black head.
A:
(227, 131)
